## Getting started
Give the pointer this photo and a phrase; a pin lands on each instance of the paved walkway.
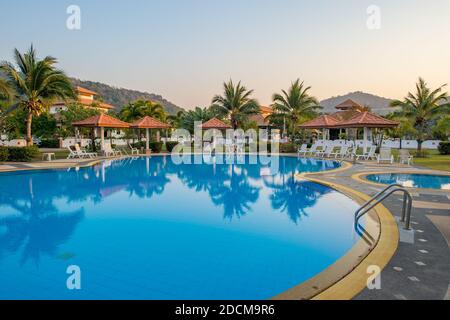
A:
(420, 269)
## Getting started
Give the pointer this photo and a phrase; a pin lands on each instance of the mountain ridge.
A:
(119, 97)
(379, 105)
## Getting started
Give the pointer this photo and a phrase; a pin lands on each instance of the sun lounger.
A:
(302, 150)
(370, 155)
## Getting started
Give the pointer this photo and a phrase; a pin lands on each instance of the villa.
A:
(86, 98)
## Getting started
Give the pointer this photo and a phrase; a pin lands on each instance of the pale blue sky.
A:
(185, 49)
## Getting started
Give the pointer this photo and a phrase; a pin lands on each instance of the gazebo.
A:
(216, 124)
(366, 120)
(323, 123)
(148, 123)
(101, 121)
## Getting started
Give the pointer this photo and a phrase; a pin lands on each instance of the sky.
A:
(185, 49)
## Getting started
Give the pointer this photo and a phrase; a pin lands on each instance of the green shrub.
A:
(287, 148)
(155, 146)
(444, 148)
(17, 154)
(3, 154)
(49, 143)
(170, 145)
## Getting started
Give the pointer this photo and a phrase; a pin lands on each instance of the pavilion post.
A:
(158, 136)
(365, 140)
(147, 141)
(102, 138)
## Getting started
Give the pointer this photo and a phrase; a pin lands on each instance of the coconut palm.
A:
(6, 91)
(235, 104)
(189, 118)
(175, 119)
(141, 108)
(36, 84)
(423, 108)
(295, 105)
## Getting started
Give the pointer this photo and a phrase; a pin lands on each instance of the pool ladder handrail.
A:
(381, 196)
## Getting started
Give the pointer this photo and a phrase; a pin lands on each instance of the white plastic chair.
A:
(385, 156)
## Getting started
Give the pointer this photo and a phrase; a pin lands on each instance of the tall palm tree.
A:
(142, 108)
(175, 119)
(423, 108)
(36, 83)
(6, 90)
(189, 118)
(235, 103)
(295, 105)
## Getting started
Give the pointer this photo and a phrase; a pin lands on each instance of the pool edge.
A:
(354, 280)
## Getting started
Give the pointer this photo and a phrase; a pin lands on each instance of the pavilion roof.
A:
(348, 105)
(324, 121)
(149, 123)
(101, 120)
(367, 120)
(215, 123)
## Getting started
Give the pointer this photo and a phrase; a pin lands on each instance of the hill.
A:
(119, 97)
(379, 105)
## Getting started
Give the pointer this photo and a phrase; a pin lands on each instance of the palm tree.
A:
(142, 108)
(36, 83)
(235, 103)
(189, 118)
(295, 105)
(175, 119)
(423, 109)
(6, 91)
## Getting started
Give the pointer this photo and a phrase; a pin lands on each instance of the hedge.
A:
(444, 148)
(287, 148)
(155, 146)
(18, 154)
(49, 143)
(170, 145)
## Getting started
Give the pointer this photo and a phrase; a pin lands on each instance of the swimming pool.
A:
(412, 180)
(145, 228)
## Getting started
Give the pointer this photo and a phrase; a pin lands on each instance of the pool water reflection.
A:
(146, 228)
(412, 180)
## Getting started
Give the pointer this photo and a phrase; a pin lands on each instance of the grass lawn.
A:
(434, 161)
(59, 154)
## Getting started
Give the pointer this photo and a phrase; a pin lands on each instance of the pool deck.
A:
(420, 266)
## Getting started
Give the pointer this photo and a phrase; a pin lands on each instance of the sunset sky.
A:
(185, 49)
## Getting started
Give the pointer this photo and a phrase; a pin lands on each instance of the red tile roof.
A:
(102, 120)
(86, 91)
(215, 123)
(149, 123)
(348, 104)
(325, 121)
(367, 120)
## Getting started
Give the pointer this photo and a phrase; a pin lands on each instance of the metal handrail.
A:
(381, 196)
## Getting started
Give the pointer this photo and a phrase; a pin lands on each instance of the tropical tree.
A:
(36, 84)
(189, 118)
(423, 108)
(442, 129)
(142, 108)
(235, 104)
(6, 90)
(175, 119)
(294, 105)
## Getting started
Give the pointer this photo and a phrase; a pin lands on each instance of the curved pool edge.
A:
(348, 276)
(362, 178)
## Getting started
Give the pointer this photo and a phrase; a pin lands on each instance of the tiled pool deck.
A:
(419, 269)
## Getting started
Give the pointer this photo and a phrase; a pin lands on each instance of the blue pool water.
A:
(149, 229)
(413, 180)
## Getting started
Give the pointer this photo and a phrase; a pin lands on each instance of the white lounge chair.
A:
(240, 148)
(385, 156)
(302, 150)
(325, 152)
(342, 153)
(207, 149)
(133, 150)
(73, 154)
(370, 155)
(110, 152)
(405, 157)
(83, 154)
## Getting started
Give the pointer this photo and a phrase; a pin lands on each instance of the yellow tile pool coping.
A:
(348, 276)
(362, 178)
